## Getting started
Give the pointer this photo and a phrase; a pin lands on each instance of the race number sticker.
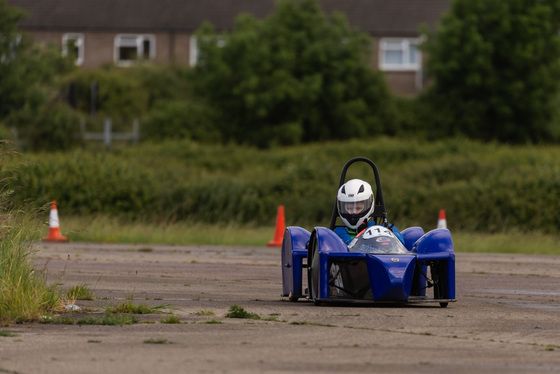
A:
(377, 231)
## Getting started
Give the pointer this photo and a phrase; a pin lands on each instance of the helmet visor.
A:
(353, 207)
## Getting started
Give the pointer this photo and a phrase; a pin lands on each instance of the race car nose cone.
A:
(390, 276)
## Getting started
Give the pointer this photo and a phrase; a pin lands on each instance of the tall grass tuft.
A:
(79, 292)
(24, 293)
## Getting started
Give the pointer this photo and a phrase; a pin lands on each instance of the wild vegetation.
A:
(24, 293)
(488, 188)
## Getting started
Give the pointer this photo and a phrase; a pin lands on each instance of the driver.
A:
(355, 205)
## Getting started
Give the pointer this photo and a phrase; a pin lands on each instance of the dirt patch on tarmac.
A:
(505, 319)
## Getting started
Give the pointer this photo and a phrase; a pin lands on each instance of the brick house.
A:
(117, 31)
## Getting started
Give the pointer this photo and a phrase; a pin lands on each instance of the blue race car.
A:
(374, 267)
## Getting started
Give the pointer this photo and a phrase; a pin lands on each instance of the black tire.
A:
(439, 270)
(313, 274)
(415, 288)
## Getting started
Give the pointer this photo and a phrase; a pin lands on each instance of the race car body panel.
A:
(411, 235)
(294, 251)
(390, 276)
(352, 274)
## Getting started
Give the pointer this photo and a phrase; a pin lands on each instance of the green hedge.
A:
(482, 187)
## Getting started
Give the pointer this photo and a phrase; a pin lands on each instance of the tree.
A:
(27, 72)
(10, 47)
(296, 76)
(496, 69)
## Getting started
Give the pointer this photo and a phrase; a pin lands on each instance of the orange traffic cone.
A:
(54, 231)
(280, 227)
(442, 222)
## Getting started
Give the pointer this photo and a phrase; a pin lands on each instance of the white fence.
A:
(107, 136)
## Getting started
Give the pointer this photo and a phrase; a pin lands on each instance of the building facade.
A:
(101, 32)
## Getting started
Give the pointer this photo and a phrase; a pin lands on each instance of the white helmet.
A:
(355, 203)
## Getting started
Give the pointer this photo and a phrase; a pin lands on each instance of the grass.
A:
(204, 313)
(513, 243)
(129, 307)
(213, 321)
(171, 319)
(7, 334)
(235, 311)
(111, 230)
(183, 233)
(121, 314)
(306, 323)
(109, 319)
(24, 293)
(79, 292)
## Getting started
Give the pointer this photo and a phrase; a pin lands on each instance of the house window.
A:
(73, 45)
(131, 48)
(399, 54)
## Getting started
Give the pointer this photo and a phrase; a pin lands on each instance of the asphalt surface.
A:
(505, 319)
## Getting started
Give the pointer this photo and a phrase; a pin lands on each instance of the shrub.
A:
(484, 187)
(53, 127)
(24, 294)
(89, 182)
(496, 76)
(179, 120)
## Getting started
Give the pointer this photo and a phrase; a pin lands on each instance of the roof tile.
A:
(376, 17)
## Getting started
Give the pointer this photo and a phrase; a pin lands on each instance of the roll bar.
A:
(379, 212)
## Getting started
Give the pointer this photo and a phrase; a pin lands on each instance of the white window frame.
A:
(403, 45)
(193, 50)
(78, 39)
(136, 41)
